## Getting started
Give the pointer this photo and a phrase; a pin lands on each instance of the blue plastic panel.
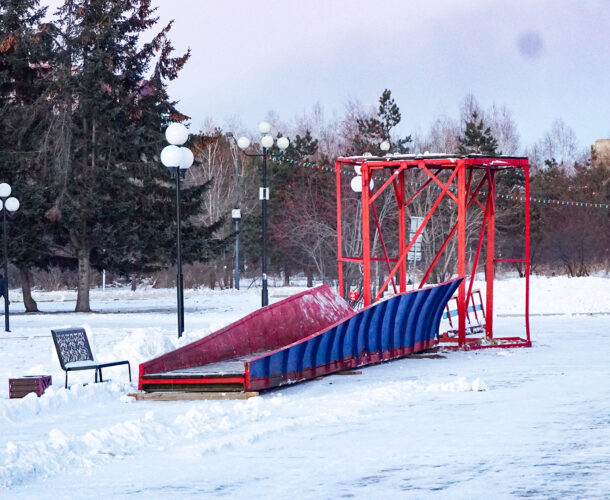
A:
(403, 324)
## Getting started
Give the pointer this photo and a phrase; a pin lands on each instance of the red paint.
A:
(464, 170)
(193, 380)
(268, 328)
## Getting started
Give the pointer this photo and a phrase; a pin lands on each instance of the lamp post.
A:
(236, 212)
(178, 159)
(11, 205)
(266, 142)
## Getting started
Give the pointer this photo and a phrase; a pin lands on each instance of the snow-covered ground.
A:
(482, 424)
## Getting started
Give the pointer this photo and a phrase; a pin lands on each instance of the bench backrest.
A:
(72, 345)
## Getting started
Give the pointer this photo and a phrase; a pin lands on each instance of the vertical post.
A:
(237, 254)
(527, 250)
(339, 231)
(366, 245)
(104, 280)
(179, 283)
(264, 195)
(402, 230)
(237, 200)
(489, 270)
(461, 180)
(5, 291)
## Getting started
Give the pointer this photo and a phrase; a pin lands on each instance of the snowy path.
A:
(415, 428)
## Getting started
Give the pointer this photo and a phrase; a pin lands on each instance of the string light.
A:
(314, 166)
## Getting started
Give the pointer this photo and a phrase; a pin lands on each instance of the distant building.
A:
(600, 152)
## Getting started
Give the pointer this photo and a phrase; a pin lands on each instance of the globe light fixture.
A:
(267, 141)
(176, 134)
(5, 190)
(12, 204)
(264, 128)
(384, 146)
(356, 184)
(171, 156)
(283, 143)
(186, 158)
(243, 143)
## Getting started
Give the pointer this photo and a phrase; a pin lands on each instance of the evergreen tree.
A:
(374, 130)
(477, 138)
(114, 200)
(288, 183)
(25, 45)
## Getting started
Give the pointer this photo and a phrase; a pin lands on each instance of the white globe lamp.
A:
(267, 141)
(176, 134)
(243, 143)
(283, 143)
(171, 156)
(356, 184)
(12, 204)
(187, 158)
(264, 128)
(5, 190)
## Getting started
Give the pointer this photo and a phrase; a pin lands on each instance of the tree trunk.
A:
(286, 276)
(309, 278)
(134, 282)
(84, 273)
(26, 289)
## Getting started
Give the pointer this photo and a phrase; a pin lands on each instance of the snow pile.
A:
(141, 345)
(55, 399)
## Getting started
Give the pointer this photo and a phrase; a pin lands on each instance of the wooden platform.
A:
(190, 396)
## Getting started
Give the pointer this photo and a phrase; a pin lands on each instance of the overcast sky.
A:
(542, 59)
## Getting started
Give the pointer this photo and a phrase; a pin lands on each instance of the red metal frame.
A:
(457, 187)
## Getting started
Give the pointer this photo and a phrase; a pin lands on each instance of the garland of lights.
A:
(309, 164)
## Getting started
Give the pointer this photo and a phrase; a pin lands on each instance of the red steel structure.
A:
(470, 182)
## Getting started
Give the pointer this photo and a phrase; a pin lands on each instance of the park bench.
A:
(74, 353)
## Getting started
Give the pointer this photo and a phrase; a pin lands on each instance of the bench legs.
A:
(100, 370)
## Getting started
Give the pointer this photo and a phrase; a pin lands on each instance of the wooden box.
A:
(20, 387)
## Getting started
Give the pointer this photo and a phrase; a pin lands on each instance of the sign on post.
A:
(414, 254)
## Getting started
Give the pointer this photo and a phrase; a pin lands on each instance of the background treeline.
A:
(83, 106)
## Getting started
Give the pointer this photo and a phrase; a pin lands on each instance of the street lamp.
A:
(178, 159)
(266, 142)
(11, 205)
(236, 212)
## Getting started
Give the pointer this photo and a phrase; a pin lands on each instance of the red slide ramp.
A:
(224, 351)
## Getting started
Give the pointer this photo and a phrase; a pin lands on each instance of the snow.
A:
(480, 424)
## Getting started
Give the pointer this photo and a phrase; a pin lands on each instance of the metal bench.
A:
(74, 353)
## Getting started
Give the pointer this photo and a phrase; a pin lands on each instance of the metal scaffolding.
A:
(467, 189)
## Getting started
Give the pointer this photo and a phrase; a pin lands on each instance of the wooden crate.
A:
(20, 387)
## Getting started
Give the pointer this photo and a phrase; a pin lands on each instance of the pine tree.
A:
(288, 183)
(477, 138)
(25, 45)
(114, 200)
(374, 130)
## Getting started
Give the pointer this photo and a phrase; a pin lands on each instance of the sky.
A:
(544, 60)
